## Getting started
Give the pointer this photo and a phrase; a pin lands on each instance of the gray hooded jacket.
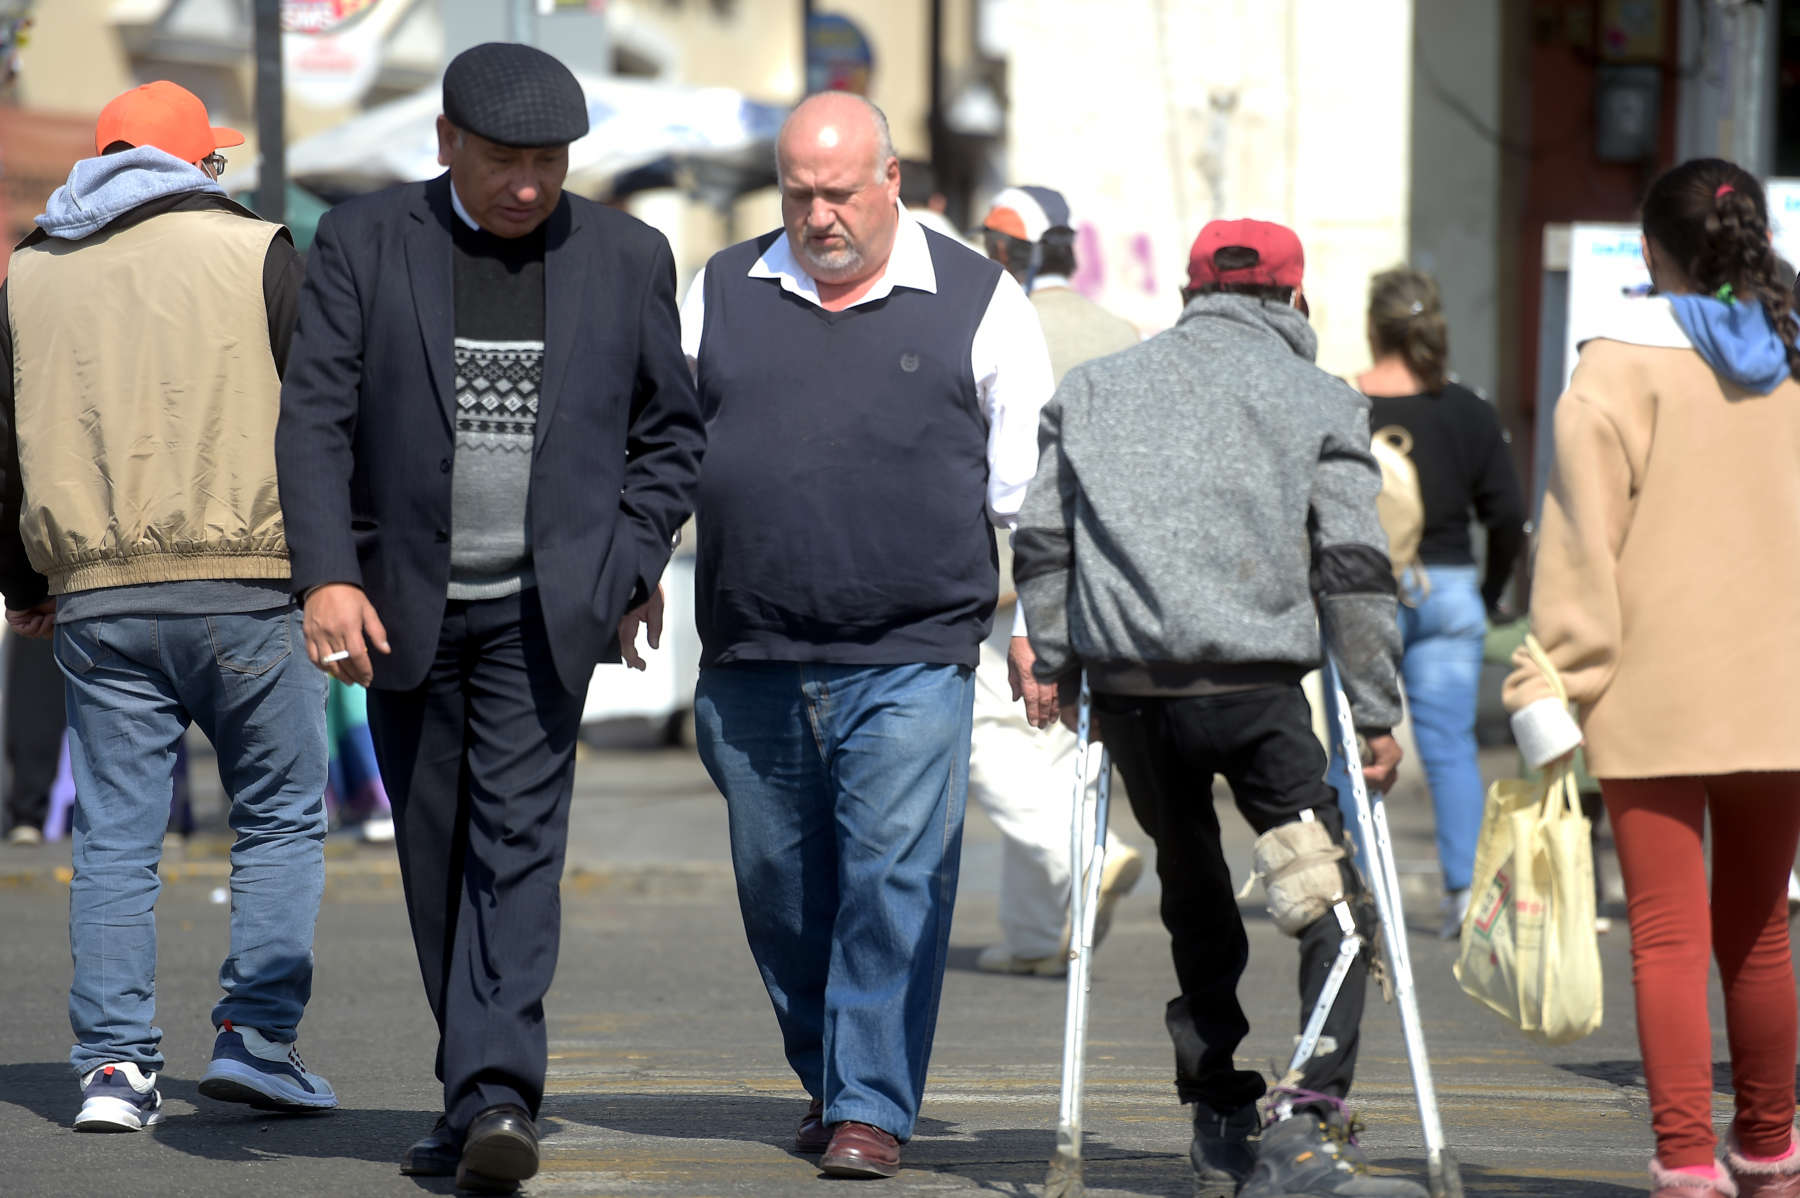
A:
(1203, 502)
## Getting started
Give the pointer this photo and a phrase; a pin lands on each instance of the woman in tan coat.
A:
(1667, 593)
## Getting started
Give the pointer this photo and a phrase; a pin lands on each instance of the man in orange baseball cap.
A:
(169, 117)
(148, 309)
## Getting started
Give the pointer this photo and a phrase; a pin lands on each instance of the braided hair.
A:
(1710, 217)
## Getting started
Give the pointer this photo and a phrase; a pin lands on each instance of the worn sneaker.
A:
(1304, 1156)
(1124, 866)
(1224, 1149)
(249, 1067)
(118, 1097)
(996, 958)
(378, 830)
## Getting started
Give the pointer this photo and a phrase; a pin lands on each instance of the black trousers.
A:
(479, 764)
(35, 716)
(1261, 740)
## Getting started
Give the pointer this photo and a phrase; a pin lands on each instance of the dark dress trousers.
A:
(475, 711)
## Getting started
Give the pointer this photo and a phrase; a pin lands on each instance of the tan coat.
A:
(1078, 330)
(1667, 584)
(146, 397)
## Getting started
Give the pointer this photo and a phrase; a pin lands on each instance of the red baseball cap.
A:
(1279, 259)
(164, 115)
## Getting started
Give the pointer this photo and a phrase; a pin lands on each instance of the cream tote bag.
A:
(1529, 949)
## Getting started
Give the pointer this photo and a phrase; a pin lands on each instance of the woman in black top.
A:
(1463, 464)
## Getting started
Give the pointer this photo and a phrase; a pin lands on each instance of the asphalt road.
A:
(666, 1073)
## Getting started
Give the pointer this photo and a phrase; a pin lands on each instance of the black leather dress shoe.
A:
(436, 1155)
(500, 1151)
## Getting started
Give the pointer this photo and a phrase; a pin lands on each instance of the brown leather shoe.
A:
(859, 1150)
(812, 1136)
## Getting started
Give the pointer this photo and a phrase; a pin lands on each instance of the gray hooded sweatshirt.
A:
(1203, 503)
(101, 190)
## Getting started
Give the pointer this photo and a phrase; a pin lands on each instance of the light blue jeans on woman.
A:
(1441, 672)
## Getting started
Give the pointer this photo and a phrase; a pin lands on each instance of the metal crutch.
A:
(1064, 1177)
(1371, 819)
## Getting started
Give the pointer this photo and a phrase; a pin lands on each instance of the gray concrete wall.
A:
(1455, 226)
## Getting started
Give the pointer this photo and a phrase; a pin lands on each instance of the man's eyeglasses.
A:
(214, 163)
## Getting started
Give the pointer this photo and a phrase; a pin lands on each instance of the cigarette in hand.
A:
(340, 655)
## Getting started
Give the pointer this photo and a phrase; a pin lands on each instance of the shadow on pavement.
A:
(755, 1118)
(227, 1132)
(1490, 1183)
(45, 1089)
(1630, 1073)
(1168, 1175)
(1014, 1162)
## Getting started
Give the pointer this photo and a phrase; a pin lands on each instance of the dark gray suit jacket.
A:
(365, 444)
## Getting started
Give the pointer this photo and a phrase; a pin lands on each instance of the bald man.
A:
(871, 391)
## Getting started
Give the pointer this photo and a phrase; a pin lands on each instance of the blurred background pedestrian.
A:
(1464, 468)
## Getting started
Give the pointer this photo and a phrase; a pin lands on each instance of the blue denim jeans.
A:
(845, 787)
(135, 683)
(1441, 671)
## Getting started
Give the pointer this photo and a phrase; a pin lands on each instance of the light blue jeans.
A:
(846, 787)
(135, 683)
(1441, 671)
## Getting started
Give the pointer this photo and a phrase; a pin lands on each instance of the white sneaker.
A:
(996, 959)
(118, 1096)
(25, 834)
(378, 831)
(1117, 877)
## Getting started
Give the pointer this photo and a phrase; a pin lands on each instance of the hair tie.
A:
(1725, 189)
(1417, 307)
(1725, 293)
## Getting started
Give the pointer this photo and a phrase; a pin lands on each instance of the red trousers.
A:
(1676, 931)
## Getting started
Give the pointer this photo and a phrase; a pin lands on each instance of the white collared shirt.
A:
(456, 206)
(1010, 361)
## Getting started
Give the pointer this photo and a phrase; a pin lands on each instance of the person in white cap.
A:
(1020, 776)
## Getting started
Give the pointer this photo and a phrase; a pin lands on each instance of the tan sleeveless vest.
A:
(146, 398)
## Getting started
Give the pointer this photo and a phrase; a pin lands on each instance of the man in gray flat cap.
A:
(488, 439)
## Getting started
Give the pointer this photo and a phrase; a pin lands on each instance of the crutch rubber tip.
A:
(1064, 1178)
(1446, 1177)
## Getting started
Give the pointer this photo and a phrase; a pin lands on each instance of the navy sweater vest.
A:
(842, 513)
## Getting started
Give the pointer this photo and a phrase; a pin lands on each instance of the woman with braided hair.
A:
(1667, 595)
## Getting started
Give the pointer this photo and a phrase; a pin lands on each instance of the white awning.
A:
(632, 122)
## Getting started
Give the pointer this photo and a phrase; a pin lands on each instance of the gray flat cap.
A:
(515, 95)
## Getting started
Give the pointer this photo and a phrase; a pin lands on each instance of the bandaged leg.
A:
(1312, 895)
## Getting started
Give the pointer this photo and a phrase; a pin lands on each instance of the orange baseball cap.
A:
(164, 115)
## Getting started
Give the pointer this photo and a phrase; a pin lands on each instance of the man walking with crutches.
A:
(1213, 488)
